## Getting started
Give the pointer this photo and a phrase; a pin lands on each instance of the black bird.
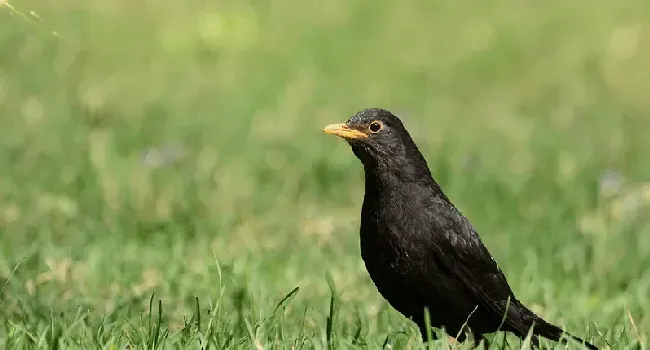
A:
(419, 250)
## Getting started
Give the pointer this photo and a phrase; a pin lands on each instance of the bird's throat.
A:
(381, 180)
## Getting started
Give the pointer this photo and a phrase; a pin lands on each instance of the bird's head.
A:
(381, 142)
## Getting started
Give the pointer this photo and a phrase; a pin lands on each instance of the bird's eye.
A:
(375, 126)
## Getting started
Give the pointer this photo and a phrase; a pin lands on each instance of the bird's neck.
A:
(394, 177)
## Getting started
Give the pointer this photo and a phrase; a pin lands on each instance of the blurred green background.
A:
(175, 148)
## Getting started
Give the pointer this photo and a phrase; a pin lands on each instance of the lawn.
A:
(165, 182)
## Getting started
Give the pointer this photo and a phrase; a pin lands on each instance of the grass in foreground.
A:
(175, 150)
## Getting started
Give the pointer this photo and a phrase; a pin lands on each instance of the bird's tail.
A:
(544, 329)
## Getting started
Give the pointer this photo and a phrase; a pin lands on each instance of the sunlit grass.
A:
(174, 149)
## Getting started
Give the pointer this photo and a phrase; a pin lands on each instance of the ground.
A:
(165, 153)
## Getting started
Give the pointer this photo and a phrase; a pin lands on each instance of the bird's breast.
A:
(393, 237)
(387, 251)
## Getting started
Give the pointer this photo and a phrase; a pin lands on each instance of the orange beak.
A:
(343, 130)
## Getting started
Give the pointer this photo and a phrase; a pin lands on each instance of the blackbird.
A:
(418, 248)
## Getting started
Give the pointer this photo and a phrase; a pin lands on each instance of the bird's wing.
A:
(461, 254)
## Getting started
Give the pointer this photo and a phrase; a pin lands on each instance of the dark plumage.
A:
(419, 250)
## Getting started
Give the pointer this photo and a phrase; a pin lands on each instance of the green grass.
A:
(520, 108)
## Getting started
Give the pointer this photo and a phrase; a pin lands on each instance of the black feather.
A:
(420, 251)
